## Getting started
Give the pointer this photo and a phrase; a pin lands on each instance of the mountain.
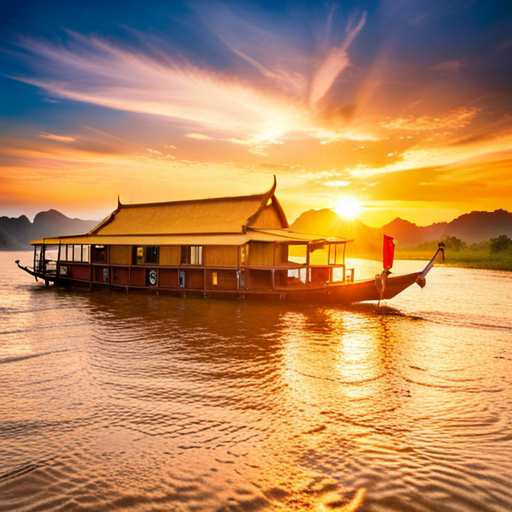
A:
(480, 226)
(13, 232)
(326, 222)
(54, 223)
(16, 233)
(407, 233)
(471, 228)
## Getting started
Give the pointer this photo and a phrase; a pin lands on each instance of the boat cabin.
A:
(222, 246)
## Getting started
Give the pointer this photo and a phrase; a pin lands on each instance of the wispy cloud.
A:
(198, 136)
(113, 75)
(333, 63)
(453, 120)
(58, 138)
(451, 65)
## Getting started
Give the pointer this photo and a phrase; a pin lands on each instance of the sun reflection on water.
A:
(153, 403)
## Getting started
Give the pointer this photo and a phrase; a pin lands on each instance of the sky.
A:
(404, 106)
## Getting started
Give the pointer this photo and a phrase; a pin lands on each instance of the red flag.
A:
(389, 251)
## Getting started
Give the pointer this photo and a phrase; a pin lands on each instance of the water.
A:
(114, 401)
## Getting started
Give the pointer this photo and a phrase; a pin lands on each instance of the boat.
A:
(229, 247)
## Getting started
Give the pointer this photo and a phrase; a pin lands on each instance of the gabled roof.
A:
(219, 221)
(203, 216)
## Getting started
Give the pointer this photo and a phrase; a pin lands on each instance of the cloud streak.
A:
(333, 64)
(58, 138)
(93, 70)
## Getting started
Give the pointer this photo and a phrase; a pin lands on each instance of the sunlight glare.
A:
(348, 208)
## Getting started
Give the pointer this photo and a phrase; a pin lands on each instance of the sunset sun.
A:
(348, 208)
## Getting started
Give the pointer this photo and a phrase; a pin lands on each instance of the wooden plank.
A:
(222, 280)
(220, 256)
(170, 254)
(194, 279)
(120, 275)
(121, 254)
(168, 278)
(261, 253)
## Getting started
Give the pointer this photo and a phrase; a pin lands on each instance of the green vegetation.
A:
(495, 254)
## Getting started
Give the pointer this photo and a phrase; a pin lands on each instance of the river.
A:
(114, 401)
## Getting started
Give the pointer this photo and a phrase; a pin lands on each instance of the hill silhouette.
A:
(471, 228)
(326, 222)
(16, 233)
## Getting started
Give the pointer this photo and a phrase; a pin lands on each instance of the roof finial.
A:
(274, 186)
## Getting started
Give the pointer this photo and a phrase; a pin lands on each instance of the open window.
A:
(146, 254)
(191, 255)
(99, 254)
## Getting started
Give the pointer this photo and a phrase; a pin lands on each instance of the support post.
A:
(307, 264)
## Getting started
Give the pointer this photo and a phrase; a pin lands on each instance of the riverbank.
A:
(464, 258)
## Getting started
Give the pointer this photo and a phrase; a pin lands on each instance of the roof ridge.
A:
(202, 200)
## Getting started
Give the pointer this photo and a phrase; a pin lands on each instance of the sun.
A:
(348, 208)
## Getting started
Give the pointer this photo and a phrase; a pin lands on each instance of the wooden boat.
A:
(230, 247)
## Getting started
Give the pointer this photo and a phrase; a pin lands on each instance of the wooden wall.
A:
(120, 275)
(260, 279)
(226, 279)
(281, 254)
(194, 278)
(261, 253)
(170, 254)
(121, 254)
(168, 278)
(220, 256)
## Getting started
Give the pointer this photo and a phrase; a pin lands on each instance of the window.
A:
(99, 254)
(336, 254)
(78, 253)
(140, 255)
(332, 254)
(147, 254)
(152, 253)
(244, 254)
(196, 255)
(85, 253)
(184, 255)
(191, 255)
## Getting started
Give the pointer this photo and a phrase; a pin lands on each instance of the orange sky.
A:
(400, 109)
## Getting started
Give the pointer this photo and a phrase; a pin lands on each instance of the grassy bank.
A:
(463, 258)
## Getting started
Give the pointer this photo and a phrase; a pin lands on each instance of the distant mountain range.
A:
(16, 233)
(471, 228)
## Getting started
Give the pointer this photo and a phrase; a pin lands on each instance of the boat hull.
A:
(333, 293)
(358, 291)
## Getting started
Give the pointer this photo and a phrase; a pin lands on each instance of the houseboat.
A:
(229, 247)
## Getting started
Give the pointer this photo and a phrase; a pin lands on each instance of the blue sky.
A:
(403, 105)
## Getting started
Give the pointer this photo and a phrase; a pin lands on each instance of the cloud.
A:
(334, 62)
(58, 138)
(454, 120)
(337, 183)
(198, 136)
(452, 65)
(279, 96)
